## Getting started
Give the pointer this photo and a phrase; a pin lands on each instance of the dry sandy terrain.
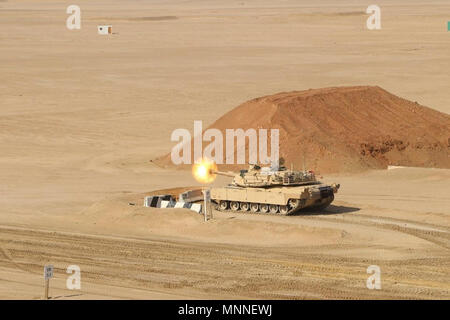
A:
(81, 115)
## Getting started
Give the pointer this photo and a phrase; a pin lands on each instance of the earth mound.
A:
(344, 129)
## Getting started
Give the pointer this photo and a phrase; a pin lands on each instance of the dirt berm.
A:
(345, 129)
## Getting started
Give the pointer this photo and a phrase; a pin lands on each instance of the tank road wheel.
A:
(223, 205)
(263, 208)
(254, 207)
(234, 205)
(273, 208)
(284, 209)
(244, 206)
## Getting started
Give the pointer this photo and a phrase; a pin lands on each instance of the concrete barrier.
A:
(166, 201)
(155, 201)
(191, 195)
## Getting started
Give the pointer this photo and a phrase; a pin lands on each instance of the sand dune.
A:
(346, 129)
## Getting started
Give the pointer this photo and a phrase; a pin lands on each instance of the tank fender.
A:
(314, 193)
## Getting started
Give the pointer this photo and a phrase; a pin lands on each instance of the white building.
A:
(104, 29)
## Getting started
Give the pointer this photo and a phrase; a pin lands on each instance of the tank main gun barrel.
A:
(221, 173)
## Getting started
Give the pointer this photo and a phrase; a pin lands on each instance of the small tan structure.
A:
(103, 30)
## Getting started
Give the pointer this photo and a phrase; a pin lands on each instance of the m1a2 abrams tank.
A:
(272, 190)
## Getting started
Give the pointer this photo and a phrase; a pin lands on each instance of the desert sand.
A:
(82, 115)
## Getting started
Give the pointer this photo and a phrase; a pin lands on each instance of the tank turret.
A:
(260, 177)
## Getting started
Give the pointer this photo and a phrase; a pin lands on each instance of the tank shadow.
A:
(331, 209)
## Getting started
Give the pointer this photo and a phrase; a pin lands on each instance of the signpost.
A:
(206, 202)
(48, 274)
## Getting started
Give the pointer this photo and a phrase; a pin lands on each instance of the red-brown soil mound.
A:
(346, 129)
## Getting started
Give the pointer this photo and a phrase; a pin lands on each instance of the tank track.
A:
(292, 207)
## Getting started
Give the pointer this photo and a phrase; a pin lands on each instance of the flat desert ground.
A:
(82, 115)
